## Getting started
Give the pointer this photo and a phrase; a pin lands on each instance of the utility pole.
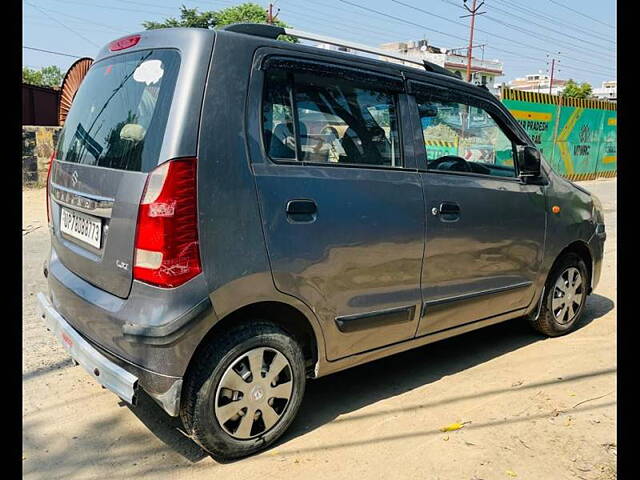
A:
(553, 64)
(473, 12)
(270, 16)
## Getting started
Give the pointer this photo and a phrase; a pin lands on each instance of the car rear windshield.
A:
(119, 114)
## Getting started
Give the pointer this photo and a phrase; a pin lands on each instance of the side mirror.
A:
(528, 161)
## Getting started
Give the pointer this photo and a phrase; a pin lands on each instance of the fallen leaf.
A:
(446, 439)
(511, 473)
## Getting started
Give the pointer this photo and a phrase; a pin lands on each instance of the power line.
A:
(111, 7)
(31, 24)
(539, 60)
(506, 52)
(549, 39)
(59, 22)
(554, 42)
(402, 20)
(52, 51)
(82, 19)
(553, 20)
(528, 46)
(581, 13)
(349, 28)
(529, 21)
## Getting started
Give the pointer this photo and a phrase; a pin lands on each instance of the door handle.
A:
(449, 208)
(448, 211)
(301, 210)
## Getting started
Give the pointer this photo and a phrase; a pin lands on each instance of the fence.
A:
(577, 137)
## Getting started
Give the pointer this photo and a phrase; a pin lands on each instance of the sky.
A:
(523, 34)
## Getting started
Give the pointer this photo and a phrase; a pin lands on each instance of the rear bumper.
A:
(156, 329)
(110, 375)
(121, 377)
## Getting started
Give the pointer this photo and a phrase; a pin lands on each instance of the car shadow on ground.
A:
(375, 381)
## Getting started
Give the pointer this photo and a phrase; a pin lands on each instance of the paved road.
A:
(538, 408)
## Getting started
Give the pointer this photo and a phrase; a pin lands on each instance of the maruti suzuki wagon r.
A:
(232, 214)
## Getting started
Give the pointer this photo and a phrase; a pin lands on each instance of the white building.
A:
(539, 83)
(483, 72)
(608, 91)
(328, 46)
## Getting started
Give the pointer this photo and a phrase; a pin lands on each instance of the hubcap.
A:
(253, 393)
(567, 295)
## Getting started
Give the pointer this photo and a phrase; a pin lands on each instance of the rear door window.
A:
(118, 117)
(334, 121)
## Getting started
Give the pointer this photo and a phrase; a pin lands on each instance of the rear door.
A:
(485, 227)
(341, 200)
(112, 136)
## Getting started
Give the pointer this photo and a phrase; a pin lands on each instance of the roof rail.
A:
(273, 31)
(257, 29)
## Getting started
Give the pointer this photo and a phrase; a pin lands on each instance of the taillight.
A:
(124, 43)
(53, 156)
(167, 253)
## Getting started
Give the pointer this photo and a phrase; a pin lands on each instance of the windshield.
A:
(119, 114)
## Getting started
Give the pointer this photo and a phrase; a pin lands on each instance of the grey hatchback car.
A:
(232, 214)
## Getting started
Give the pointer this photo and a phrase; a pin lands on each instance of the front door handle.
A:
(303, 211)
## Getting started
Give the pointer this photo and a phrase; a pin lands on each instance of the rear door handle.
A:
(448, 211)
(449, 208)
(303, 211)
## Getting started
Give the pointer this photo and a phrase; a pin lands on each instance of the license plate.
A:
(82, 227)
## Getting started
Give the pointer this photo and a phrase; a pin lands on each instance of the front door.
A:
(485, 227)
(342, 210)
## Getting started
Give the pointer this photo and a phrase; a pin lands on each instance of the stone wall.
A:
(37, 145)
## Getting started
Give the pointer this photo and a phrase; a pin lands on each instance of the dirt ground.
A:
(536, 408)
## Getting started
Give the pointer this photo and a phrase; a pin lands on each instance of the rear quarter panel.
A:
(233, 252)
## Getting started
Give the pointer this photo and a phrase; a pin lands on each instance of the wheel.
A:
(244, 390)
(565, 295)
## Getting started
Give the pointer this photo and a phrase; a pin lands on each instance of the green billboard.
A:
(576, 136)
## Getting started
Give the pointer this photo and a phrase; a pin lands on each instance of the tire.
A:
(550, 322)
(222, 382)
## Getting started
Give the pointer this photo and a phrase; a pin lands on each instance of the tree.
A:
(573, 90)
(50, 76)
(243, 13)
(189, 17)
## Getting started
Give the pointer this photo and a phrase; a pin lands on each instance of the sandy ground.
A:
(537, 408)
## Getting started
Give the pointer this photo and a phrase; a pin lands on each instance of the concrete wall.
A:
(37, 145)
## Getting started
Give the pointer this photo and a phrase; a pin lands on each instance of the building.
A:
(40, 105)
(328, 46)
(483, 72)
(537, 82)
(608, 91)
